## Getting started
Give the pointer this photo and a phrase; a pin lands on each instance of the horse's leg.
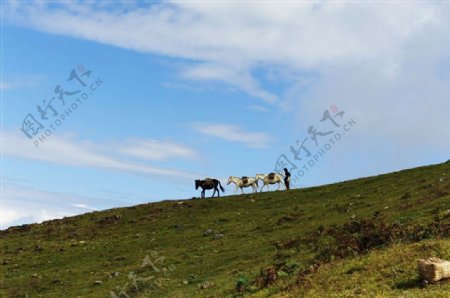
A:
(235, 191)
(214, 192)
(242, 190)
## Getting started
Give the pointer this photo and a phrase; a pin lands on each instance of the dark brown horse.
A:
(209, 183)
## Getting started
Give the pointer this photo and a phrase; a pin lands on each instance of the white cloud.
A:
(301, 34)
(22, 204)
(259, 108)
(21, 82)
(385, 63)
(230, 39)
(233, 133)
(76, 153)
(20, 215)
(238, 78)
(8, 216)
(83, 206)
(156, 150)
(5, 86)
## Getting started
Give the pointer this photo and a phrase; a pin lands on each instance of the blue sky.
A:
(196, 89)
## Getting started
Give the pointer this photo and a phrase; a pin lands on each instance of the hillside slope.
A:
(338, 239)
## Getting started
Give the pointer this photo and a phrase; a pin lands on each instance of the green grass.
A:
(390, 272)
(66, 257)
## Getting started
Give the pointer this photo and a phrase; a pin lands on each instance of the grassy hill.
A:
(349, 239)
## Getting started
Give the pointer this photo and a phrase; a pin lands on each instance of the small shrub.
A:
(241, 284)
(266, 277)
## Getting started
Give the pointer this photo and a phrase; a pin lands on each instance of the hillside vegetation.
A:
(349, 239)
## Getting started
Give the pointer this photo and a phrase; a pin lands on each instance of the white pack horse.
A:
(244, 182)
(270, 178)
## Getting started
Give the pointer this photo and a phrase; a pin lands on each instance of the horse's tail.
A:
(256, 181)
(221, 188)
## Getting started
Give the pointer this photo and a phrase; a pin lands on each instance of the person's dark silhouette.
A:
(287, 178)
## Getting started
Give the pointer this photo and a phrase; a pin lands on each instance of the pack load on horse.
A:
(270, 178)
(243, 182)
(209, 183)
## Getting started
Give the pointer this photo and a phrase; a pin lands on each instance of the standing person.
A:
(287, 178)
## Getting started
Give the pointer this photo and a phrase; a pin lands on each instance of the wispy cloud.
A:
(233, 133)
(22, 204)
(83, 206)
(235, 77)
(379, 60)
(259, 108)
(229, 41)
(5, 86)
(26, 81)
(156, 150)
(69, 151)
